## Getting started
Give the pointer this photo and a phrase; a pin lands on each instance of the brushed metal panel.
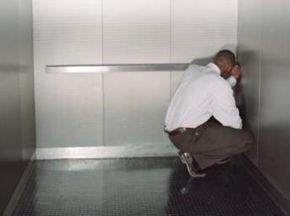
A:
(115, 68)
(270, 20)
(135, 106)
(249, 56)
(274, 157)
(175, 79)
(11, 155)
(69, 109)
(136, 31)
(135, 103)
(26, 78)
(10, 137)
(199, 29)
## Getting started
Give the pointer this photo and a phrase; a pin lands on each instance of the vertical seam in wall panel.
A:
(237, 27)
(170, 46)
(170, 29)
(19, 79)
(18, 76)
(103, 95)
(260, 82)
(103, 75)
(19, 95)
(34, 76)
(102, 31)
(33, 72)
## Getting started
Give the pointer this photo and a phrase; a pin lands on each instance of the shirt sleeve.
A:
(223, 106)
(232, 81)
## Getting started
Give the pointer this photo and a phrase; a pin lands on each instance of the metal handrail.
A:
(115, 68)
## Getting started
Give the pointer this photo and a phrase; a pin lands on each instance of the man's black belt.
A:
(198, 130)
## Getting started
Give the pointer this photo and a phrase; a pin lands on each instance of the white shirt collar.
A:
(214, 67)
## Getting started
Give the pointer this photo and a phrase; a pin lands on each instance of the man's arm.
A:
(224, 107)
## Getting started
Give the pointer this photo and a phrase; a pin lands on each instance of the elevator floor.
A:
(140, 187)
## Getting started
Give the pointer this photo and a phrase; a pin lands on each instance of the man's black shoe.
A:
(189, 161)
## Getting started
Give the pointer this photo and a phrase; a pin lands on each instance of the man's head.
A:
(225, 60)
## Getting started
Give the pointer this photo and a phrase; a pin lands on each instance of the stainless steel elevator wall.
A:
(17, 131)
(264, 51)
(118, 109)
(249, 45)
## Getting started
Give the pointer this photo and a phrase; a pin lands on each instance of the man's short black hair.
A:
(227, 55)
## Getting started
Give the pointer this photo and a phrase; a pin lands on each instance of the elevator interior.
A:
(45, 116)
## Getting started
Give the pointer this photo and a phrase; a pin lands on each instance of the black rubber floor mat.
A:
(141, 187)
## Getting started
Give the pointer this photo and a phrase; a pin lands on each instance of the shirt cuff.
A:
(232, 81)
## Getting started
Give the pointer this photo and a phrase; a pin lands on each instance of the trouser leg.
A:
(213, 144)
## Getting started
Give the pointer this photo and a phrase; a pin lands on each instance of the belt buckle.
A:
(182, 129)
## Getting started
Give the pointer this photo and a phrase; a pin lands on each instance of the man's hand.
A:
(236, 71)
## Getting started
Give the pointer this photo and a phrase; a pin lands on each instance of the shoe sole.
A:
(187, 161)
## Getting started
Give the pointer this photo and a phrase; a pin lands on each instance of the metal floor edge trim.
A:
(266, 185)
(20, 187)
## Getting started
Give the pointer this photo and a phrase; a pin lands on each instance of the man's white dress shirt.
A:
(201, 94)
